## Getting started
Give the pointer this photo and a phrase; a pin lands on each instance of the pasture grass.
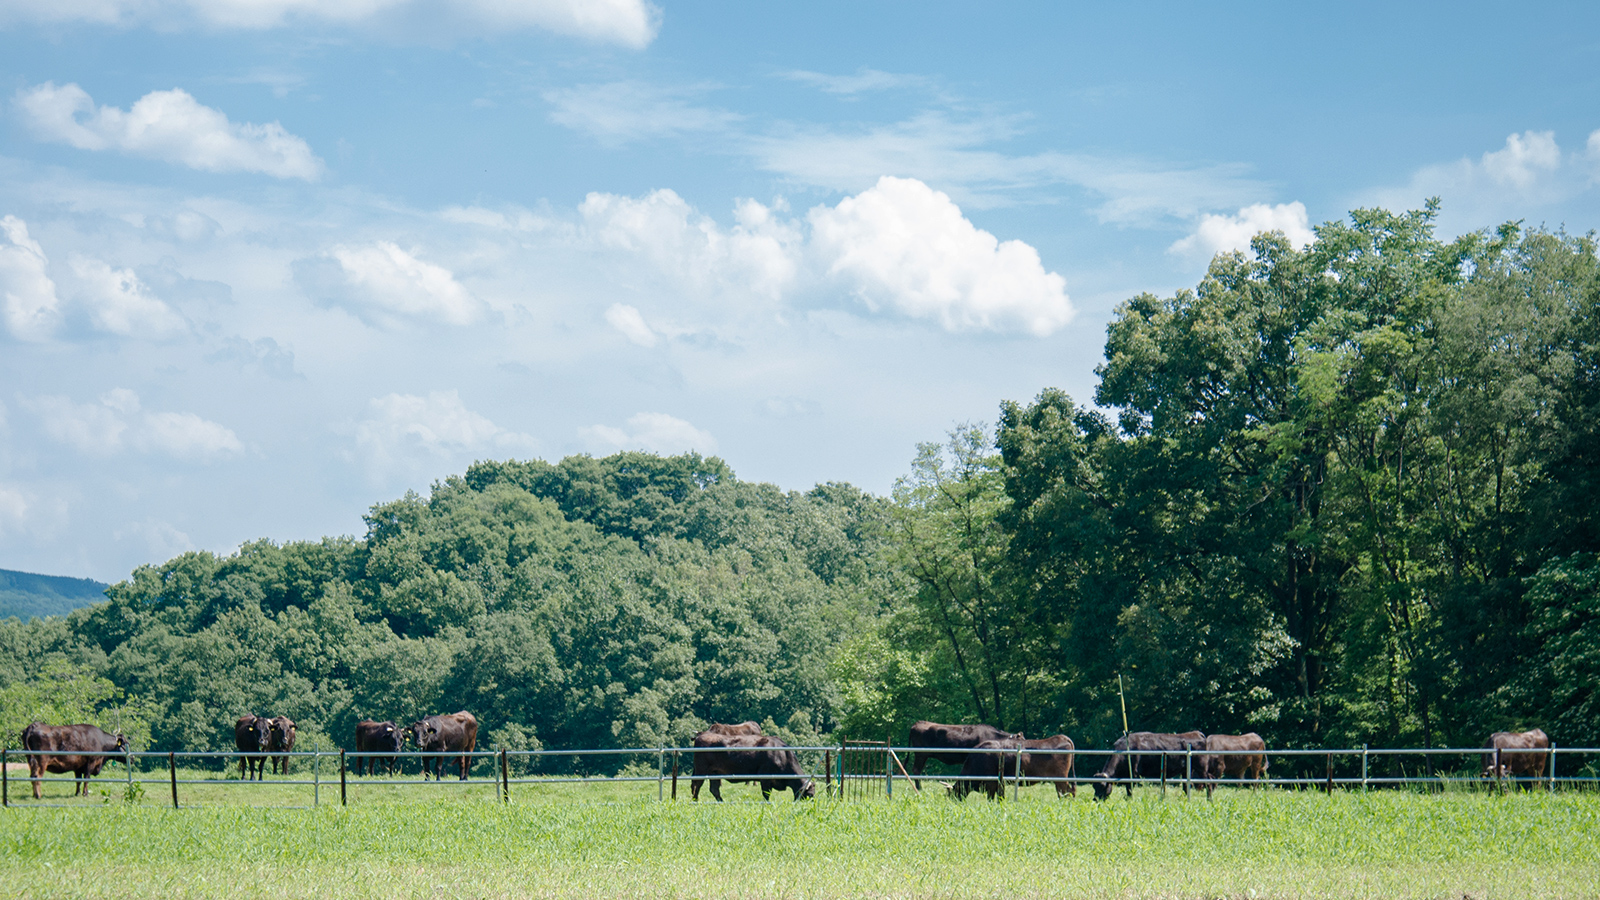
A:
(609, 841)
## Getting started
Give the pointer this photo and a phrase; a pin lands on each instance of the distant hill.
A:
(26, 595)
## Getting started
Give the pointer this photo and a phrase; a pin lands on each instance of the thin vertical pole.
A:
(505, 779)
(1164, 759)
(842, 782)
(1328, 786)
(5, 777)
(1499, 771)
(1016, 778)
(827, 773)
(888, 771)
(341, 777)
(661, 772)
(172, 773)
(1551, 784)
(1363, 768)
(127, 763)
(316, 778)
(1188, 770)
(674, 774)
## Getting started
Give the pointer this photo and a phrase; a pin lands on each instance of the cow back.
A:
(375, 737)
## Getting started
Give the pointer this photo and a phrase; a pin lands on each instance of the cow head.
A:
(417, 732)
(122, 743)
(1103, 786)
(806, 788)
(280, 729)
(394, 737)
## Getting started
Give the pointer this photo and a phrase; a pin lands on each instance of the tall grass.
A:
(1241, 844)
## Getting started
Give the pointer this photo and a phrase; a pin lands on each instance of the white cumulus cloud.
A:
(653, 433)
(1530, 171)
(907, 247)
(118, 422)
(1223, 233)
(119, 303)
(32, 310)
(404, 432)
(166, 125)
(385, 286)
(632, 23)
(760, 253)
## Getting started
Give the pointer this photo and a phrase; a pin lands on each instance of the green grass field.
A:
(602, 840)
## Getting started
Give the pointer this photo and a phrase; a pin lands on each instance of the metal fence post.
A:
(1328, 785)
(1363, 767)
(127, 763)
(1016, 778)
(316, 778)
(341, 778)
(842, 781)
(1551, 785)
(172, 773)
(827, 774)
(661, 772)
(674, 774)
(505, 779)
(1499, 773)
(5, 777)
(1188, 770)
(888, 771)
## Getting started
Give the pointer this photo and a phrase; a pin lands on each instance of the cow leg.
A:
(466, 762)
(35, 771)
(716, 789)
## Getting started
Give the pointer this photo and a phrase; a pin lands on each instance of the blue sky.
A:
(264, 263)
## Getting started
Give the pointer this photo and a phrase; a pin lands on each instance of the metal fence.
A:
(852, 771)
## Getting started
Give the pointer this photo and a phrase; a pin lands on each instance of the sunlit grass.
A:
(592, 841)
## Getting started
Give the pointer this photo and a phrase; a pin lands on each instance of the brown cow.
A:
(1145, 754)
(84, 739)
(1226, 758)
(985, 771)
(746, 727)
(1525, 767)
(931, 737)
(252, 735)
(455, 733)
(745, 757)
(280, 739)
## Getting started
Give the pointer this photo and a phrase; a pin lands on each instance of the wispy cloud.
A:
(1528, 174)
(621, 112)
(118, 422)
(863, 81)
(652, 432)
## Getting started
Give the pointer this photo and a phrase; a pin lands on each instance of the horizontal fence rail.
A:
(848, 771)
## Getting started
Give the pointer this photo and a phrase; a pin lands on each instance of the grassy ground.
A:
(617, 841)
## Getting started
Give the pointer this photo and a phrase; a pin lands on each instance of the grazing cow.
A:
(746, 757)
(76, 739)
(1525, 767)
(984, 771)
(280, 739)
(1236, 764)
(378, 737)
(253, 736)
(1144, 754)
(954, 740)
(455, 733)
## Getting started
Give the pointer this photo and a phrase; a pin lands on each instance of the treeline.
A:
(1340, 495)
(1335, 495)
(596, 602)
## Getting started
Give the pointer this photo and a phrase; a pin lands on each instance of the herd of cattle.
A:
(987, 755)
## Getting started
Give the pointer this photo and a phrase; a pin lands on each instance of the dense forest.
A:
(1335, 495)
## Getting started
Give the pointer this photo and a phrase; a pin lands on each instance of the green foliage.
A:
(589, 603)
(67, 694)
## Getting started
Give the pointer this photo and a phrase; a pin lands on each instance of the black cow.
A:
(1526, 767)
(747, 757)
(936, 737)
(378, 737)
(984, 771)
(1152, 756)
(77, 739)
(280, 739)
(455, 733)
(252, 735)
